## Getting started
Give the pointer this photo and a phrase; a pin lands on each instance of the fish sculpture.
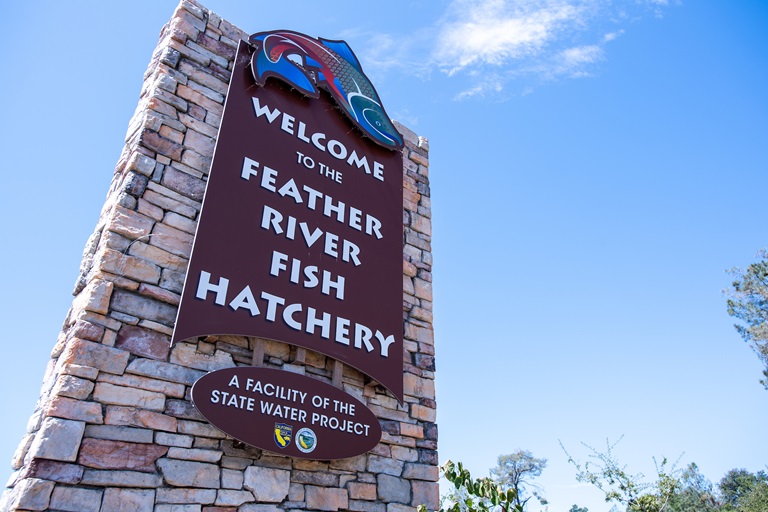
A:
(307, 63)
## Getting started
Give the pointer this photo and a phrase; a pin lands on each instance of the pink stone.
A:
(143, 342)
(106, 454)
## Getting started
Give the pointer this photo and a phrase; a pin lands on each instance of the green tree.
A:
(748, 303)
(756, 500)
(631, 491)
(575, 508)
(693, 493)
(737, 487)
(478, 495)
(516, 471)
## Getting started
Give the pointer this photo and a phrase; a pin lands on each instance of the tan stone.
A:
(72, 387)
(68, 408)
(129, 223)
(107, 393)
(30, 494)
(185, 354)
(132, 417)
(182, 496)
(267, 484)
(416, 386)
(87, 353)
(169, 389)
(172, 240)
(72, 499)
(94, 297)
(195, 454)
(360, 491)
(324, 498)
(127, 266)
(183, 473)
(57, 439)
(128, 500)
(423, 413)
(103, 478)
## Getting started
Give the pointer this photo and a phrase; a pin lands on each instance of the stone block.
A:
(119, 395)
(143, 342)
(151, 139)
(183, 183)
(195, 454)
(184, 496)
(119, 455)
(143, 307)
(30, 494)
(316, 478)
(405, 454)
(72, 387)
(172, 240)
(129, 223)
(61, 472)
(170, 389)
(164, 371)
(296, 492)
(267, 484)
(166, 439)
(232, 498)
(94, 297)
(232, 479)
(84, 372)
(133, 417)
(426, 493)
(130, 267)
(178, 508)
(197, 428)
(57, 439)
(253, 507)
(180, 222)
(361, 491)
(101, 478)
(113, 433)
(182, 473)
(421, 472)
(128, 500)
(182, 409)
(423, 413)
(393, 489)
(87, 331)
(187, 355)
(74, 499)
(70, 409)
(377, 464)
(324, 498)
(366, 506)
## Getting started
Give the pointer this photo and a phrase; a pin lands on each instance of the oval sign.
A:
(286, 413)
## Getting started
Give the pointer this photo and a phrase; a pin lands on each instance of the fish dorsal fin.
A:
(343, 50)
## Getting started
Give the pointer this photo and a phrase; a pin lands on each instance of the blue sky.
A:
(596, 166)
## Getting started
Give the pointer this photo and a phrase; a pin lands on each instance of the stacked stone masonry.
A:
(114, 429)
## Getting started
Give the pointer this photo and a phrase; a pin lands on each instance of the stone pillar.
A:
(114, 429)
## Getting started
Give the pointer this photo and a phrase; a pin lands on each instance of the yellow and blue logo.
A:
(283, 433)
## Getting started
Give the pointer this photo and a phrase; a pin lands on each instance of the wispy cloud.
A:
(486, 46)
(494, 32)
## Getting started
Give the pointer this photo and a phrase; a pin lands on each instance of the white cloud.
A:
(484, 46)
(494, 32)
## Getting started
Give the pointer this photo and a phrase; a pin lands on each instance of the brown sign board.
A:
(286, 413)
(300, 236)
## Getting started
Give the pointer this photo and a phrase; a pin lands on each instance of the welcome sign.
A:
(300, 236)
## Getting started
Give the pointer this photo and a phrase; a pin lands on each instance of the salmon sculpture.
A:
(307, 63)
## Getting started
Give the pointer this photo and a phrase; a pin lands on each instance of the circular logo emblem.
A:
(306, 440)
